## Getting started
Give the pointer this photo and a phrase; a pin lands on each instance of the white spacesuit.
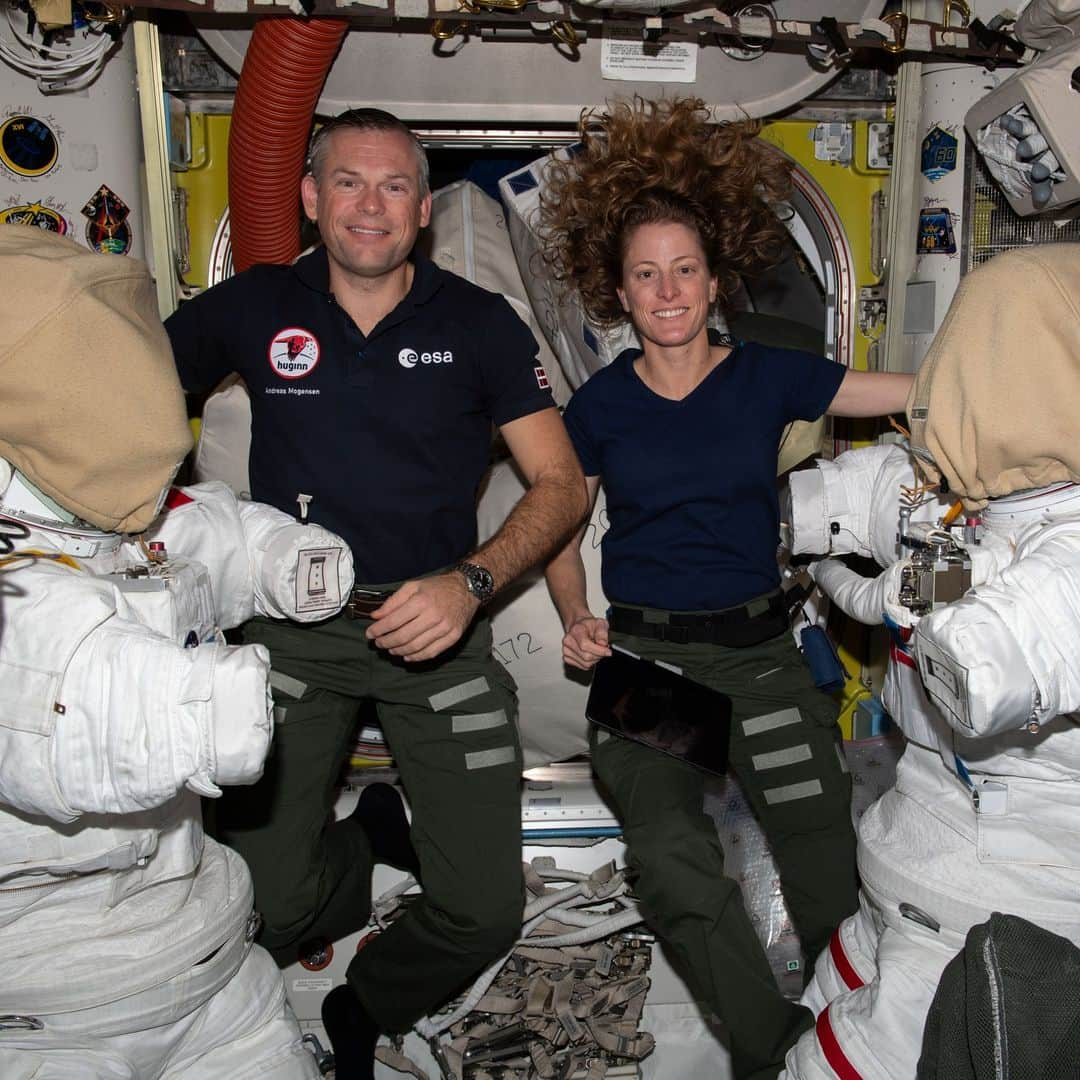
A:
(984, 673)
(126, 934)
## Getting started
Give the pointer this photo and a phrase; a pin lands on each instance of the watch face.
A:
(478, 580)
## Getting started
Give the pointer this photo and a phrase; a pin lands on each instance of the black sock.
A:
(352, 1034)
(380, 813)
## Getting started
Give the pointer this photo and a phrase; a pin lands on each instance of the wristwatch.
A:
(478, 580)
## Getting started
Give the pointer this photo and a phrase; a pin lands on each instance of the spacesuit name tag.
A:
(318, 587)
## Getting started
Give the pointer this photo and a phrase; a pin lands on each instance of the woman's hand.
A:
(586, 641)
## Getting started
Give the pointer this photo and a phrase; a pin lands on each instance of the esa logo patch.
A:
(294, 352)
(409, 358)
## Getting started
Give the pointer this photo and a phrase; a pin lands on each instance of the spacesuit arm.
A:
(1008, 651)
(850, 505)
(867, 599)
(863, 598)
(261, 561)
(300, 571)
(144, 718)
(104, 715)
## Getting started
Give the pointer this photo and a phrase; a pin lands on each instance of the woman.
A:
(655, 221)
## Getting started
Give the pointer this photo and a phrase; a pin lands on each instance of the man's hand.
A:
(586, 641)
(424, 618)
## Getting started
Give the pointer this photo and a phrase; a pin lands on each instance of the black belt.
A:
(757, 620)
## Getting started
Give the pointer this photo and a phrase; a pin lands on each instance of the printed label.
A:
(317, 585)
(624, 56)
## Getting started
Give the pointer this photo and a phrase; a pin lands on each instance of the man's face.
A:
(367, 201)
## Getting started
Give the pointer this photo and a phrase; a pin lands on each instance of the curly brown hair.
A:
(644, 162)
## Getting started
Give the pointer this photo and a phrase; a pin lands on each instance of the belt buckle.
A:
(677, 635)
(362, 602)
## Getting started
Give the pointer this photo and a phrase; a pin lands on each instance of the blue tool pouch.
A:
(820, 652)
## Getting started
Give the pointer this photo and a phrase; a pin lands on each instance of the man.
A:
(379, 425)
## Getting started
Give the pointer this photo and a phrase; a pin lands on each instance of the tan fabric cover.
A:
(1045, 23)
(91, 409)
(997, 399)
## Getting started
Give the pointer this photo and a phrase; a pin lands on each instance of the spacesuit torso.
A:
(982, 815)
(121, 705)
(154, 851)
(1005, 795)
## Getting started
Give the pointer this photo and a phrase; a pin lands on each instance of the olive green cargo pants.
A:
(451, 725)
(786, 752)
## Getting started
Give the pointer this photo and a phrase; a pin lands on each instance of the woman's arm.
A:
(586, 639)
(871, 393)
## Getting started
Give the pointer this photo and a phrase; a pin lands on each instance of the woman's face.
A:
(667, 289)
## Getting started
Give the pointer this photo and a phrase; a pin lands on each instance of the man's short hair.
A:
(365, 120)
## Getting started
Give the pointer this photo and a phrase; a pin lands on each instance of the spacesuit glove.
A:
(850, 505)
(228, 711)
(301, 571)
(865, 599)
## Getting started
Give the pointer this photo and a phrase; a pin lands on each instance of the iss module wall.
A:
(982, 143)
(71, 159)
(507, 81)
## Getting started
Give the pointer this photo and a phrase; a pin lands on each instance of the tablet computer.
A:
(656, 706)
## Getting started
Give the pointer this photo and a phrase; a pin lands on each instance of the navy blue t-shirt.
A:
(390, 433)
(691, 484)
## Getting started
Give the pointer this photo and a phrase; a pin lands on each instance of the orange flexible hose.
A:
(285, 66)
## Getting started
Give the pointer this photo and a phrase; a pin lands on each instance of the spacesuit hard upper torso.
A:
(982, 815)
(135, 871)
(986, 821)
(121, 705)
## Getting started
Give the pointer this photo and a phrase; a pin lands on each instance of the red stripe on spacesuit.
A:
(176, 498)
(830, 1047)
(901, 657)
(843, 964)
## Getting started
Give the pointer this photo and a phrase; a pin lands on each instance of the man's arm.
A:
(425, 617)
(866, 393)
(550, 510)
(199, 349)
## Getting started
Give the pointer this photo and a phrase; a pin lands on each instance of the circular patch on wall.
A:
(28, 146)
(35, 215)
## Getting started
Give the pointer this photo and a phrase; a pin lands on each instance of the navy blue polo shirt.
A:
(691, 485)
(390, 433)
